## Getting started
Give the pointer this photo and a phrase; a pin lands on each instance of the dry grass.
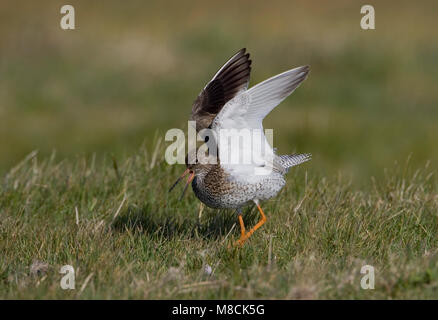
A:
(128, 238)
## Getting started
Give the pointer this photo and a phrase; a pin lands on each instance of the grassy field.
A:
(94, 104)
(127, 237)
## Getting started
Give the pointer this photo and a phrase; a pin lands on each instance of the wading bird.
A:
(227, 103)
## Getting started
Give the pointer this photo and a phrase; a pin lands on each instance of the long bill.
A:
(179, 179)
(189, 180)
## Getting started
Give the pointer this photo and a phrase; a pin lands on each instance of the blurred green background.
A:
(131, 70)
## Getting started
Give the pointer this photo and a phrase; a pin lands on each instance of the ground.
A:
(127, 237)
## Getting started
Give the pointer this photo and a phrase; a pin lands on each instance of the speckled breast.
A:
(236, 194)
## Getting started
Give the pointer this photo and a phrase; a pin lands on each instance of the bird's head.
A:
(197, 167)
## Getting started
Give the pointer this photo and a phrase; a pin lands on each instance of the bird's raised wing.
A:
(231, 78)
(247, 111)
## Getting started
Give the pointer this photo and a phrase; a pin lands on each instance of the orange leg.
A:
(242, 226)
(245, 235)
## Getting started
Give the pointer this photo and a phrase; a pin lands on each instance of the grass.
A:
(130, 238)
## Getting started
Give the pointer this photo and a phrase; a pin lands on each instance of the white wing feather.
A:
(247, 111)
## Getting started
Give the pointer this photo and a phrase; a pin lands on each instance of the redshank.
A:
(227, 103)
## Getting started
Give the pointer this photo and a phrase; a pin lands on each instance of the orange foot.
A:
(245, 235)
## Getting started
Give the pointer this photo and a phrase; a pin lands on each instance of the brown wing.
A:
(227, 82)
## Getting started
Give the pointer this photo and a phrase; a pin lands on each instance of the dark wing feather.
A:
(227, 82)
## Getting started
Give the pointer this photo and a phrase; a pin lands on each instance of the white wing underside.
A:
(246, 111)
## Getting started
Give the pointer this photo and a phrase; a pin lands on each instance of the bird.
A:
(224, 103)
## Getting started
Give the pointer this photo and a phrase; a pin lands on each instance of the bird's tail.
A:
(286, 161)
